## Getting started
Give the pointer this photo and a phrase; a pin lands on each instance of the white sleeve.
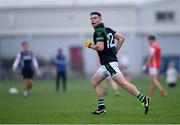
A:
(16, 62)
(175, 72)
(152, 51)
(35, 63)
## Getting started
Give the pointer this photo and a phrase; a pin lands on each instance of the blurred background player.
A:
(153, 64)
(60, 64)
(106, 48)
(124, 65)
(114, 85)
(28, 63)
(171, 76)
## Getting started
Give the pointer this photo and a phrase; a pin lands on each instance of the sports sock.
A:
(141, 97)
(26, 93)
(101, 104)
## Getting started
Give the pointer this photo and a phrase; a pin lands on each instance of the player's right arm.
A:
(99, 46)
(16, 62)
(150, 57)
(99, 38)
(36, 64)
(120, 39)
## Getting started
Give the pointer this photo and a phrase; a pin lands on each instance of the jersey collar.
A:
(101, 25)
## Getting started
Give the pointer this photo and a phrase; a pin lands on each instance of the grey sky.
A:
(9, 3)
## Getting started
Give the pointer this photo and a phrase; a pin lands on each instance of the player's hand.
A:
(88, 43)
(38, 72)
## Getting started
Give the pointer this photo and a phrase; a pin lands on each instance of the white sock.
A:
(26, 93)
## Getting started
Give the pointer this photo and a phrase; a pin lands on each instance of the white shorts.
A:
(111, 69)
(153, 71)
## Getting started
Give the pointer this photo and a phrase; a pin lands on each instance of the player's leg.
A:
(115, 87)
(106, 85)
(158, 85)
(150, 89)
(153, 72)
(30, 75)
(96, 80)
(29, 82)
(57, 80)
(118, 77)
(25, 82)
(64, 80)
(26, 85)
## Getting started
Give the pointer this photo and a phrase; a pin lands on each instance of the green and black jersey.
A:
(106, 35)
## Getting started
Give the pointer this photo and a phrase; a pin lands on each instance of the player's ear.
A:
(100, 19)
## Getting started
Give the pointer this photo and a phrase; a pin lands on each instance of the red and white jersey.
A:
(155, 53)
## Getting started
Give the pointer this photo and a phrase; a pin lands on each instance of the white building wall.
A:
(47, 28)
(63, 20)
(147, 17)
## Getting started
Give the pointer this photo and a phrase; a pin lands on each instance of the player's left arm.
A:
(16, 62)
(36, 65)
(120, 40)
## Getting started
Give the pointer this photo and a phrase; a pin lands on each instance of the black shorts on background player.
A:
(27, 74)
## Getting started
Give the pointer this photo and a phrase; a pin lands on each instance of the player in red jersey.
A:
(153, 64)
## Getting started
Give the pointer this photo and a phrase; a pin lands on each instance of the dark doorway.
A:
(76, 59)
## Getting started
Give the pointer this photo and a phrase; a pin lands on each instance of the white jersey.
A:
(26, 60)
(171, 75)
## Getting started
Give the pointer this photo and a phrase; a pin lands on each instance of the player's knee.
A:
(94, 83)
(153, 81)
(30, 85)
(124, 84)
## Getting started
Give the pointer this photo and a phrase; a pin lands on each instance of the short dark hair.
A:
(96, 13)
(151, 37)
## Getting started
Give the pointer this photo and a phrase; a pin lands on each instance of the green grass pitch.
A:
(45, 105)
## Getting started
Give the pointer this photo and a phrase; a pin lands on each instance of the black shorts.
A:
(27, 74)
(172, 85)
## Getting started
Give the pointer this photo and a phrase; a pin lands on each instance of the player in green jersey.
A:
(104, 44)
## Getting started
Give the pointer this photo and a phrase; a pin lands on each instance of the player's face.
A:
(150, 42)
(25, 46)
(95, 20)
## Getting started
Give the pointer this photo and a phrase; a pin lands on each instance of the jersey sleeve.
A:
(16, 62)
(113, 32)
(99, 36)
(35, 62)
